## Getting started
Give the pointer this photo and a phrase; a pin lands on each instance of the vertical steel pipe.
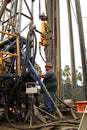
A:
(73, 73)
(82, 44)
(58, 47)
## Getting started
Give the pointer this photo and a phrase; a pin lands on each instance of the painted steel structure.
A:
(12, 16)
(22, 51)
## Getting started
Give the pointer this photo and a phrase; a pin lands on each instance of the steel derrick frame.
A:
(14, 16)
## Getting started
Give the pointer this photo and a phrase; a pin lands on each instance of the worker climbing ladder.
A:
(83, 122)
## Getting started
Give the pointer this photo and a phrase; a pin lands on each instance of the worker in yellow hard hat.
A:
(50, 81)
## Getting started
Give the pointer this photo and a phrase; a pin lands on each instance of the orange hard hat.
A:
(49, 65)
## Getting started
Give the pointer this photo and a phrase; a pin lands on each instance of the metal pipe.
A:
(58, 47)
(20, 2)
(82, 44)
(72, 53)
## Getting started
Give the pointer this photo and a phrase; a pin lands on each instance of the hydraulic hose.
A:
(35, 47)
(27, 55)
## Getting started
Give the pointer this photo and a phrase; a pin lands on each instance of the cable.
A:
(41, 54)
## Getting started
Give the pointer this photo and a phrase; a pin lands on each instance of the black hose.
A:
(41, 54)
(35, 51)
(27, 58)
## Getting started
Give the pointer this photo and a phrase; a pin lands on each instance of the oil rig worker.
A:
(50, 81)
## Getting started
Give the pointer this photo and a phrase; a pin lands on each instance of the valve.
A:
(44, 34)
